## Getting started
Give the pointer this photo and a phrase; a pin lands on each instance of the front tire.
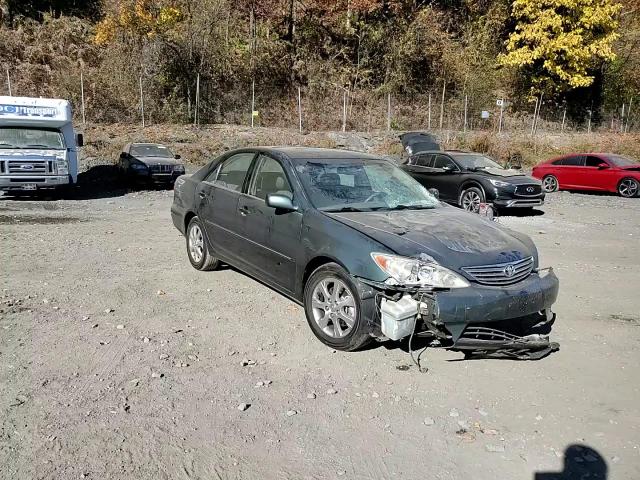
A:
(549, 183)
(334, 309)
(471, 198)
(198, 249)
(628, 188)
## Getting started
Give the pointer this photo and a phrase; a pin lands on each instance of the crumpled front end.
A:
(511, 321)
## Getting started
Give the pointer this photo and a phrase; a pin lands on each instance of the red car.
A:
(605, 172)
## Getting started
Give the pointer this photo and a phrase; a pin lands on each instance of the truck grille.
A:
(161, 168)
(29, 167)
(528, 190)
(501, 273)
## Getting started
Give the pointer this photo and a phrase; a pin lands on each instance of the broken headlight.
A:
(413, 271)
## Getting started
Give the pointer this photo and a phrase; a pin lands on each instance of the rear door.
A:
(271, 237)
(218, 197)
(571, 172)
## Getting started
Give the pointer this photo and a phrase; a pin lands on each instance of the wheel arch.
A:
(316, 262)
(471, 183)
(187, 218)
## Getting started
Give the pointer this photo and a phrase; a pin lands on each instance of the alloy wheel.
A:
(550, 184)
(471, 201)
(334, 307)
(196, 243)
(628, 188)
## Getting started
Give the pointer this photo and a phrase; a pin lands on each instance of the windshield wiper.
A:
(412, 207)
(37, 145)
(344, 209)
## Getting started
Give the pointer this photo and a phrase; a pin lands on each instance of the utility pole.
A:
(388, 111)
(429, 124)
(564, 117)
(501, 113)
(465, 114)
(84, 118)
(444, 88)
(253, 100)
(344, 110)
(196, 114)
(299, 110)
(9, 82)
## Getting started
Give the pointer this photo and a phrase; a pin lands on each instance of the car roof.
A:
(303, 154)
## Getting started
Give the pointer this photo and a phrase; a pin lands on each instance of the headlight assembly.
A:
(498, 183)
(139, 166)
(62, 166)
(416, 272)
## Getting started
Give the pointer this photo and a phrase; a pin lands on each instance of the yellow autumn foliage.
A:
(561, 40)
(138, 18)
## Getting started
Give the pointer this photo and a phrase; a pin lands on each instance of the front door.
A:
(218, 197)
(272, 236)
(445, 177)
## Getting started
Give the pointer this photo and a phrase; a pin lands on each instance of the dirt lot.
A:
(120, 361)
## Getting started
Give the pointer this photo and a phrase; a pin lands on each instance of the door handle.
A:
(201, 194)
(244, 211)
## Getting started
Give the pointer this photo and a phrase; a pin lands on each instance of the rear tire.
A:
(198, 248)
(334, 309)
(549, 183)
(628, 188)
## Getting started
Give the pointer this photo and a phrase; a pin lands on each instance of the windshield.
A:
(473, 161)
(620, 161)
(150, 151)
(37, 138)
(362, 185)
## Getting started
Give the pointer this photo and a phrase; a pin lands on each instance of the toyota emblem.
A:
(530, 189)
(509, 271)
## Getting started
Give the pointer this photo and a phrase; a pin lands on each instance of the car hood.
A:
(452, 237)
(512, 176)
(158, 161)
(633, 168)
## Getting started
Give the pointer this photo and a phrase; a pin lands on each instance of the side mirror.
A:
(280, 202)
(448, 168)
(603, 166)
(435, 192)
(79, 140)
(177, 157)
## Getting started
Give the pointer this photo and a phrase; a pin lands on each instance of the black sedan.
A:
(469, 179)
(149, 163)
(367, 250)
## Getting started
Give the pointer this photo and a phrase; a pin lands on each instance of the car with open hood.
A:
(150, 163)
(468, 179)
(367, 250)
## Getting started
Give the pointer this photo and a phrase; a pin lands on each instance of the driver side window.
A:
(441, 162)
(269, 177)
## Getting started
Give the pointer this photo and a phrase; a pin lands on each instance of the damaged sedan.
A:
(368, 251)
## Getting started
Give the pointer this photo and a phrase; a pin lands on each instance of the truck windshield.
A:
(24, 137)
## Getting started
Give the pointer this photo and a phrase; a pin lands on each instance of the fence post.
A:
(196, 113)
(622, 119)
(626, 128)
(141, 102)
(444, 88)
(535, 112)
(564, 117)
(299, 110)
(429, 125)
(9, 82)
(501, 114)
(253, 99)
(344, 110)
(388, 111)
(84, 118)
(465, 114)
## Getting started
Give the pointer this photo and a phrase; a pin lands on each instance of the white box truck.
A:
(38, 146)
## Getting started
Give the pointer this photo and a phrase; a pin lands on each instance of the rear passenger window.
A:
(234, 170)
(423, 160)
(575, 161)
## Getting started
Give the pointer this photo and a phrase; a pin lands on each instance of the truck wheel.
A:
(197, 248)
(334, 309)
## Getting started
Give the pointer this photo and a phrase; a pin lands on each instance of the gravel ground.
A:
(118, 361)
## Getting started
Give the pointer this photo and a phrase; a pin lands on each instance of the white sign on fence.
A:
(484, 114)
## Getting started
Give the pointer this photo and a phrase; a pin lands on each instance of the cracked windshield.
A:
(359, 186)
